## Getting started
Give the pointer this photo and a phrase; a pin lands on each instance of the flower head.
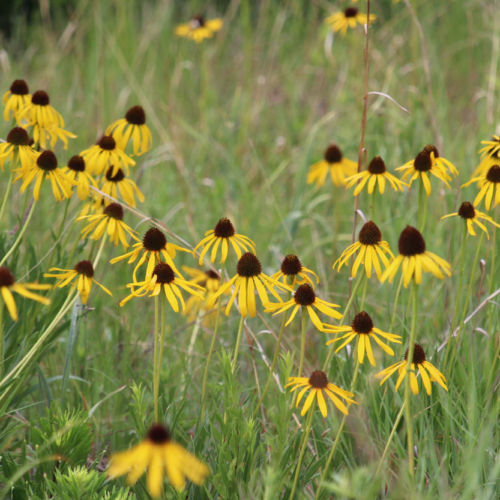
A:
(18, 142)
(349, 18)
(362, 328)
(419, 361)
(76, 171)
(490, 185)
(471, 216)
(415, 259)
(371, 247)
(334, 162)
(292, 268)
(160, 455)
(376, 171)
(106, 155)
(318, 382)
(224, 233)
(15, 98)
(8, 285)
(198, 28)
(84, 271)
(490, 155)
(114, 183)
(305, 296)
(134, 127)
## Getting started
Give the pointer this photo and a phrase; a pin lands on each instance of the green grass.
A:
(236, 122)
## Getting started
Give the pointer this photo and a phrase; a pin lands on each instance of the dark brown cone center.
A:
(19, 87)
(377, 166)
(466, 210)
(423, 162)
(351, 12)
(198, 21)
(248, 265)
(136, 116)
(493, 174)
(411, 242)
(154, 240)
(114, 210)
(418, 355)
(333, 154)
(107, 143)
(304, 295)
(291, 265)
(370, 234)
(318, 380)
(119, 176)
(85, 267)
(224, 228)
(164, 273)
(6, 278)
(18, 137)
(212, 275)
(76, 163)
(47, 161)
(362, 323)
(430, 148)
(40, 98)
(158, 434)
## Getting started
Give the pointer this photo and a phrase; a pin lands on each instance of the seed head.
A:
(154, 240)
(18, 137)
(19, 87)
(76, 163)
(164, 273)
(6, 278)
(291, 265)
(248, 265)
(136, 116)
(47, 161)
(224, 228)
(159, 434)
(333, 154)
(85, 267)
(114, 210)
(107, 143)
(493, 174)
(362, 323)
(304, 295)
(411, 242)
(370, 234)
(466, 210)
(418, 355)
(377, 166)
(423, 162)
(119, 176)
(430, 148)
(351, 12)
(40, 98)
(318, 380)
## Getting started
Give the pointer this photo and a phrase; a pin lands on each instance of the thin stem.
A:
(421, 202)
(492, 272)
(98, 256)
(411, 348)
(155, 355)
(391, 436)
(374, 203)
(163, 307)
(61, 228)
(398, 291)
(363, 295)
(212, 345)
(303, 340)
(20, 235)
(238, 341)
(7, 192)
(275, 358)
(302, 451)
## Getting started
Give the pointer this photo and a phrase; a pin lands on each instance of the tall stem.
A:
(98, 256)
(421, 203)
(303, 340)
(7, 192)
(396, 297)
(61, 229)
(20, 235)
(238, 341)
(492, 272)
(163, 307)
(391, 436)
(212, 345)
(374, 203)
(363, 295)
(155, 354)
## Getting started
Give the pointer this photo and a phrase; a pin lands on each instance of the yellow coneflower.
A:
(15, 98)
(18, 142)
(371, 248)
(159, 455)
(248, 280)
(376, 171)
(163, 276)
(110, 221)
(45, 167)
(424, 163)
(491, 147)
(84, 270)
(304, 296)
(490, 185)
(292, 268)
(76, 171)
(486, 163)
(223, 233)
(112, 184)
(154, 244)
(334, 162)
(362, 328)
(198, 28)
(47, 123)
(134, 127)
(318, 382)
(471, 216)
(8, 285)
(340, 21)
(415, 259)
(420, 362)
(105, 155)
(95, 205)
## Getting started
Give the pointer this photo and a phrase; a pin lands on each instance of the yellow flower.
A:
(339, 167)
(160, 455)
(318, 382)
(198, 28)
(427, 161)
(486, 163)
(8, 285)
(471, 216)
(362, 328)
(18, 142)
(489, 184)
(304, 296)
(80, 176)
(492, 147)
(376, 171)
(47, 123)
(249, 278)
(371, 248)
(15, 98)
(164, 275)
(95, 205)
(45, 167)
(84, 270)
(112, 184)
(351, 16)
(224, 232)
(112, 221)
(292, 268)
(422, 364)
(134, 127)
(105, 155)
(154, 244)
(415, 259)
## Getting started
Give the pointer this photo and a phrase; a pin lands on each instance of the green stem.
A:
(20, 235)
(492, 272)
(61, 228)
(363, 295)
(398, 291)
(212, 345)
(391, 436)
(302, 451)
(238, 341)
(7, 192)
(422, 206)
(163, 307)
(303, 340)
(155, 355)
(275, 358)
(98, 256)
(374, 203)
(411, 348)
(339, 432)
